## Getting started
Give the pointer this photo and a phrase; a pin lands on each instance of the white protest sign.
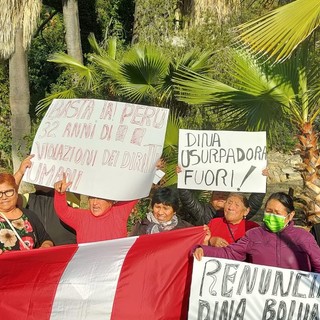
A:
(108, 149)
(224, 289)
(222, 160)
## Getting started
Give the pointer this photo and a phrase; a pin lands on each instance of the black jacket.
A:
(315, 231)
(42, 205)
(199, 213)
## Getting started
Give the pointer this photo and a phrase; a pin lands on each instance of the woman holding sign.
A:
(199, 213)
(104, 220)
(277, 243)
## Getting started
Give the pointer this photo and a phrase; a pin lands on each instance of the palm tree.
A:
(18, 20)
(261, 95)
(143, 75)
(72, 27)
(280, 32)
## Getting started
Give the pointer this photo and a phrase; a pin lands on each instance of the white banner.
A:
(222, 160)
(225, 289)
(108, 149)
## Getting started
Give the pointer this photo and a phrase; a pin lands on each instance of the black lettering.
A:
(268, 312)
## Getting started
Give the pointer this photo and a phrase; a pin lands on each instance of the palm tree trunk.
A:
(310, 156)
(136, 23)
(19, 94)
(198, 10)
(72, 27)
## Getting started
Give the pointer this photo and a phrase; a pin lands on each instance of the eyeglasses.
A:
(7, 193)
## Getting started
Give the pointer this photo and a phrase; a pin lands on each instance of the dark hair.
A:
(8, 179)
(167, 196)
(242, 197)
(284, 199)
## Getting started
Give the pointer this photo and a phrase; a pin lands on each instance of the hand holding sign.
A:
(198, 254)
(62, 185)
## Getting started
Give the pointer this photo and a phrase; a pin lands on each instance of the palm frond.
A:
(260, 94)
(172, 133)
(107, 65)
(279, 32)
(45, 102)
(94, 45)
(85, 75)
(141, 72)
(196, 61)
(195, 88)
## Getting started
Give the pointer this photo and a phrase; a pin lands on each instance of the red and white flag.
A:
(146, 277)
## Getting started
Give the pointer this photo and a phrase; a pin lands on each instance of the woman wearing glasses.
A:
(20, 229)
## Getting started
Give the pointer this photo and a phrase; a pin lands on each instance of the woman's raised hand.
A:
(62, 185)
(25, 163)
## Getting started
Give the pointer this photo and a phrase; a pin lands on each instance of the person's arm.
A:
(66, 213)
(313, 251)
(138, 229)
(315, 231)
(235, 251)
(256, 199)
(218, 242)
(255, 203)
(26, 163)
(200, 213)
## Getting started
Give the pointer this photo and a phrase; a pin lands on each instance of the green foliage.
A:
(283, 137)
(43, 74)
(155, 21)
(5, 132)
(139, 212)
(115, 19)
(157, 24)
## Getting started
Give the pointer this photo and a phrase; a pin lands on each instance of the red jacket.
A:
(230, 232)
(110, 225)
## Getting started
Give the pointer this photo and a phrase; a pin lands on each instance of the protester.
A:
(104, 220)
(199, 213)
(41, 203)
(277, 243)
(164, 204)
(233, 226)
(20, 229)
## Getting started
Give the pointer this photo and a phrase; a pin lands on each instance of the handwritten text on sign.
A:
(108, 149)
(222, 160)
(224, 289)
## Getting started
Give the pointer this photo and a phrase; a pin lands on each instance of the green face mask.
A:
(274, 222)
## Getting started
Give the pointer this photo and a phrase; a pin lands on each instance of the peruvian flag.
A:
(146, 277)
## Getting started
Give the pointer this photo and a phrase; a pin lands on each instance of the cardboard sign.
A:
(107, 149)
(222, 160)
